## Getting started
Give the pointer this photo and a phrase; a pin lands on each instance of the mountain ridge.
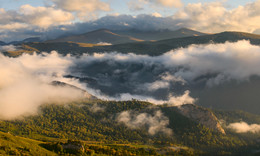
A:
(161, 34)
(152, 48)
(97, 36)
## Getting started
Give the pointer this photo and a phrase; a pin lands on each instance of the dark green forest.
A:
(98, 132)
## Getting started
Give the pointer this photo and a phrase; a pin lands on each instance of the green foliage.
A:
(15, 145)
(101, 134)
(237, 116)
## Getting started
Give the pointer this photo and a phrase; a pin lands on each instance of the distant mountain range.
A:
(2, 43)
(157, 35)
(115, 36)
(97, 36)
(153, 48)
(137, 41)
(27, 40)
(126, 36)
(162, 46)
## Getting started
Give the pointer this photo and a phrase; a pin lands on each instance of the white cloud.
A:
(85, 9)
(45, 17)
(13, 26)
(29, 17)
(156, 123)
(8, 48)
(96, 108)
(166, 3)
(165, 81)
(25, 84)
(243, 127)
(210, 17)
(138, 5)
(181, 100)
(156, 14)
(214, 17)
(227, 60)
(172, 100)
(104, 43)
(238, 61)
(224, 61)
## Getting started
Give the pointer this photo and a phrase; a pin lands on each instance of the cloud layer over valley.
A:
(171, 78)
(25, 84)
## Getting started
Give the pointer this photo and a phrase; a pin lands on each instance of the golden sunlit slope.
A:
(24, 49)
(15, 145)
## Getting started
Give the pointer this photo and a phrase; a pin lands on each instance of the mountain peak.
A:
(184, 29)
(100, 30)
(202, 116)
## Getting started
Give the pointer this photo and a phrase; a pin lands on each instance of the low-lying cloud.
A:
(25, 84)
(8, 48)
(104, 43)
(243, 127)
(165, 79)
(156, 123)
(96, 108)
(220, 62)
(171, 101)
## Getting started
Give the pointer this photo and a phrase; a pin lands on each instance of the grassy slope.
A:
(16, 145)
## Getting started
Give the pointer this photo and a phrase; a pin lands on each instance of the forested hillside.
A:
(98, 125)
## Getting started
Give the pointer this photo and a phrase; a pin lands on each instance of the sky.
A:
(50, 18)
(120, 6)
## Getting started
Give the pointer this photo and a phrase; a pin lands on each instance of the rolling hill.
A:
(152, 48)
(162, 46)
(2, 43)
(97, 36)
(157, 35)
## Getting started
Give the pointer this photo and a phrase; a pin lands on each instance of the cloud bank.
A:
(214, 17)
(172, 100)
(220, 62)
(243, 127)
(85, 10)
(156, 123)
(167, 78)
(8, 48)
(28, 16)
(25, 84)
